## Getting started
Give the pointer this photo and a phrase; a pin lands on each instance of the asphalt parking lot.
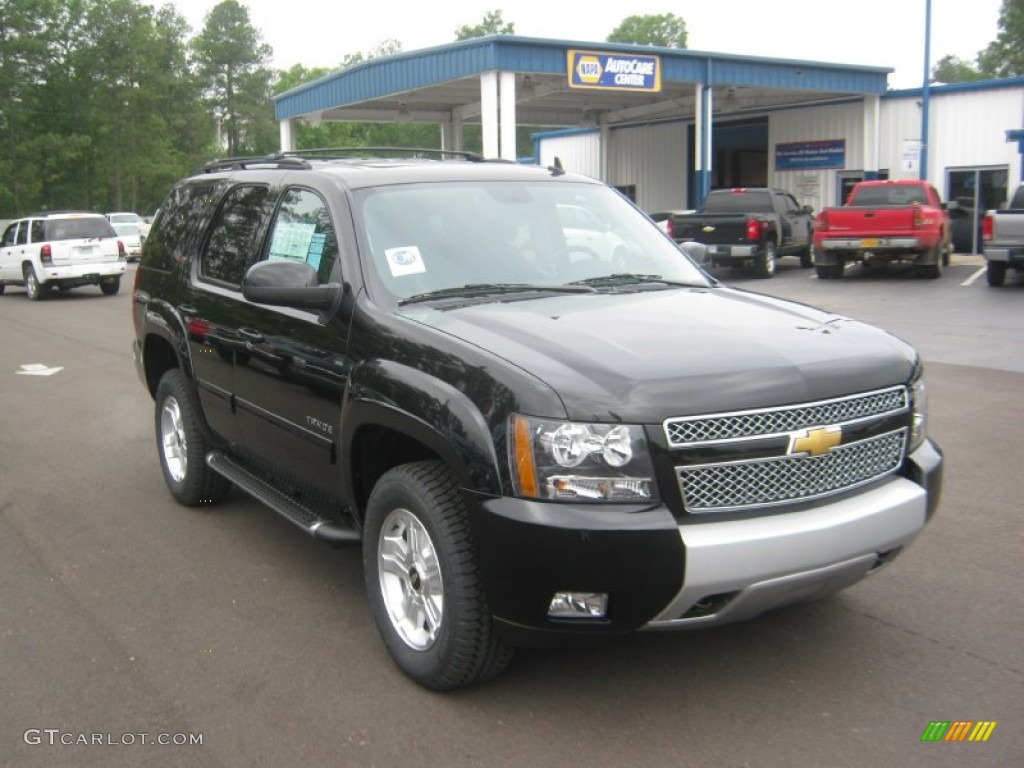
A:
(124, 614)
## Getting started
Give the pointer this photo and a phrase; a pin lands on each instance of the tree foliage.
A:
(98, 108)
(1004, 56)
(664, 29)
(492, 24)
(953, 69)
(233, 64)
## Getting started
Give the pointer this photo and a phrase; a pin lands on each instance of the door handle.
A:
(250, 334)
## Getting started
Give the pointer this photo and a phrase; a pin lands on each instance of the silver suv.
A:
(61, 249)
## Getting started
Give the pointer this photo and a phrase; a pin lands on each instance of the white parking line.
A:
(975, 276)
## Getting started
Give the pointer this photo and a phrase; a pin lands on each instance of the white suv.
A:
(64, 249)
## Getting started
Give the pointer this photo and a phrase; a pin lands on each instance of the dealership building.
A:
(666, 125)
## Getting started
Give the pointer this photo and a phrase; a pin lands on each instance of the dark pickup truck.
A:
(750, 226)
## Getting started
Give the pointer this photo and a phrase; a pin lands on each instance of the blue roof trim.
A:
(563, 132)
(977, 85)
(465, 58)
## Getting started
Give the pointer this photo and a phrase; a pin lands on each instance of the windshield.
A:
(124, 218)
(77, 228)
(426, 238)
(737, 201)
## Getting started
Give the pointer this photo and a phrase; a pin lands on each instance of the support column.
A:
(872, 136)
(489, 113)
(703, 126)
(507, 115)
(287, 128)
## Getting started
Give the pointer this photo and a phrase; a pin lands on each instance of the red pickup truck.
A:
(884, 221)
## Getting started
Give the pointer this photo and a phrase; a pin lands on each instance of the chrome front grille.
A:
(766, 422)
(737, 485)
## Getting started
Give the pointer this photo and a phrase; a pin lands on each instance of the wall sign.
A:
(613, 71)
(806, 155)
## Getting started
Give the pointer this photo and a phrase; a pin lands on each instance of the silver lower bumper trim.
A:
(751, 566)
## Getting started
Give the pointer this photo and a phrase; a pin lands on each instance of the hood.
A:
(642, 357)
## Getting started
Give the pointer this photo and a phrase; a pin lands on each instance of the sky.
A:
(882, 33)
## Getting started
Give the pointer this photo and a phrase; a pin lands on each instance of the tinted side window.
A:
(182, 218)
(303, 231)
(9, 234)
(232, 244)
(37, 232)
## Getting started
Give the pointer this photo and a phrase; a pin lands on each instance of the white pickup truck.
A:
(64, 250)
(1002, 234)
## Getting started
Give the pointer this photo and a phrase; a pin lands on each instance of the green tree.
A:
(232, 63)
(23, 55)
(1004, 56)
(952, 69)
(664, 29)
(492, 24)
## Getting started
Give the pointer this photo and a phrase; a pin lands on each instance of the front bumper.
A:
(664, 573)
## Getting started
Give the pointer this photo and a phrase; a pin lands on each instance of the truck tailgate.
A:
(852, 221)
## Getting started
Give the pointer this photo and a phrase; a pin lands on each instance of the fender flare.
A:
(388, 394)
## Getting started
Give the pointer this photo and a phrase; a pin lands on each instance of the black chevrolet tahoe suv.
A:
(533, 436)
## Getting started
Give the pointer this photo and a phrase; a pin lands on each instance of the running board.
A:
(308, 520)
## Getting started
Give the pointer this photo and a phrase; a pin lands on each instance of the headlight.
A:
(919, 409)
(571, 461)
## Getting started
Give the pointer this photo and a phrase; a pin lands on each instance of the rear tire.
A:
(931, 271)
(110, 287)
(829, 271)
(35, 290)
(182, 445)
(995, 273)
(764, 266)
(422, 580)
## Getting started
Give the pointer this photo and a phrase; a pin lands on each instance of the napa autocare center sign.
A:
(810, 155)
(614, 71)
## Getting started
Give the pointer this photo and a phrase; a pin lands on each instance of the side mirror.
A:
(288, 284)
(808, 209)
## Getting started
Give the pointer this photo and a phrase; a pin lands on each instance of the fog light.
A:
(578, 605)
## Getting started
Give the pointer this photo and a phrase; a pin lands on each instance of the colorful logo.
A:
(958, 730)
(613, 71)
(589, 70)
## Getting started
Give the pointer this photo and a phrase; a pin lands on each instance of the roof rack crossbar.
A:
(327, 153)
(241, 163)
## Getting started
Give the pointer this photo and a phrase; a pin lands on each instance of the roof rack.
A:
(328, 153)
(240, 163)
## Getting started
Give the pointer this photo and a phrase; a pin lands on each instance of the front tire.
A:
(807, 257)
(422, 580)
(183, 445)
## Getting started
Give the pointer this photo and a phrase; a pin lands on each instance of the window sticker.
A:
(291, 240)
(405, 261)
(316, 250)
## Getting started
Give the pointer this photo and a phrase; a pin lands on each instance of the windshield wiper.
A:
(632, 278)
(485, 289)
